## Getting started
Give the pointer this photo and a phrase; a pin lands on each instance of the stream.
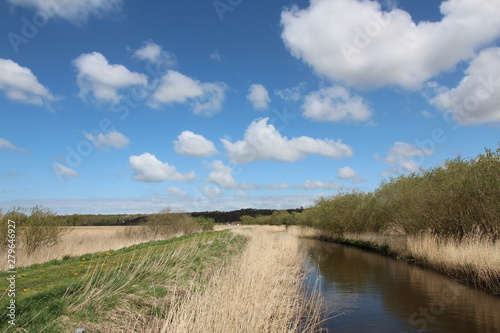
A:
(368, 292)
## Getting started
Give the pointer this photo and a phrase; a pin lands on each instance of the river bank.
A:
(474, 261)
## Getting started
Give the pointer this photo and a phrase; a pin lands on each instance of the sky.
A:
(121, 106)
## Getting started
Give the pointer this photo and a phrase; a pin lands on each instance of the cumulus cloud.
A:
(155, 54)
(358, 43)
(476, 99)
(191, 144)
(103, 80)
(350, 174)
(263, 142)
(404, 157)
(221, 175)
(76, 12)
(177, 192)
(335, 104)
(211, 192)
(7, 145)
(20, 84)
(259, 97)
(113, 139)
(63, 171)
(292, 94)
(175, 87)
(315, 185)
(147, 168)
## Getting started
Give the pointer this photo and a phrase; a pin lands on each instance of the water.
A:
(367, 292)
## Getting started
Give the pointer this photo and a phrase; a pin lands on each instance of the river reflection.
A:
(367, 292)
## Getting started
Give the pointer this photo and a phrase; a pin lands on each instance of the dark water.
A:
(367, 292)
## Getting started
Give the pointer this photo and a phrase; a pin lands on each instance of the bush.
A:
(40, 228)
(167, 223)
(206, 224)
(455, 200)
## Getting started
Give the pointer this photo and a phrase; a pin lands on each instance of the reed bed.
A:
(473, 259)
(78, 241)
(260, 292)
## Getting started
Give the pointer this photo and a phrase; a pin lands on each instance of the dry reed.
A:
(82, 240)
(261, 291)
(473, 259)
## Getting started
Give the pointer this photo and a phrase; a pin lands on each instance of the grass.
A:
(79, 241)
(89, 290)
(261, 291)
(245, 280)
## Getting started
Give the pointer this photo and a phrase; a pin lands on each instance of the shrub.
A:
(206, 223)
(40, 228)
(167, 223)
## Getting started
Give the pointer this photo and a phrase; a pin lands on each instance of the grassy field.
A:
(77, 241)
(223, 281)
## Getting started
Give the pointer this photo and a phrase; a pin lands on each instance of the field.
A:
(246, 280)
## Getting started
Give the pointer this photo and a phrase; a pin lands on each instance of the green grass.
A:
(86, 288)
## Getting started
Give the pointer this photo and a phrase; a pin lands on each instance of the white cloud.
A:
(348, 173)
(113, 139)
(211, 100)
(191, 144)
(205, 98)
(147, 168)
(221, 176)
(241, 194)
(146, 205)
(427, 114)
(357, 43)
(211, 192)
(259, 97)
(315, 184)
(19, 84)
(76, 12)
(63, 171)
(177, 191)
(155, 54)
(103, 80)
(279, 186)
(263, 142)
(292, 94)
(476, 99)
(215, 55)
(404, 157)
(335, 104)
(7, 145)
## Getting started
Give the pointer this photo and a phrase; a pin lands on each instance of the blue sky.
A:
(119, 106)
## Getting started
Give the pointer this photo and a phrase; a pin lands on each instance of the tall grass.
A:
(259, 292)
(473, 259)
(109, 288)
(41, 238)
